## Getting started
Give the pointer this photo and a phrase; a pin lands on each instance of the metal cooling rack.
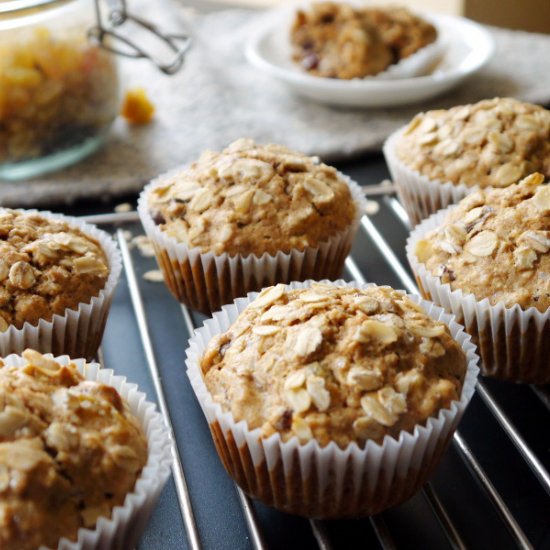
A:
(492, 489)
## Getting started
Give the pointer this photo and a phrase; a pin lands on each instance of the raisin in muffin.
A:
(247, 216)
(50, 265)
(337, 40)
(70, 451)
(443, 155)
(333, 367)
(491, 253)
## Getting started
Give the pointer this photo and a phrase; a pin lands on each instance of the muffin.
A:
(57, 277)
(338, 40)
(487, 260)
(331, 399)
(249, 216)
(71, 450)
(443, 155)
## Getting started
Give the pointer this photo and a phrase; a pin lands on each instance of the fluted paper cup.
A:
(420, 195)
(513, 343)
(125, 525)
(78, 332)
(206, 281)
(327, 482)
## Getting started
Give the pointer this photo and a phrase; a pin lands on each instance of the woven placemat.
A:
(218, 97)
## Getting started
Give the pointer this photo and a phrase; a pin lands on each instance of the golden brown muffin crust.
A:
(46, 267)
(496, 245)
(334, 363)
(252, 199)
(493, 143)
(70, 450)
(337, 40)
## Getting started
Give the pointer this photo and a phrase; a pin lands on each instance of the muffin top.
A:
(334, 364)
(46, 266)
(252, 199)
(496, 244)
(493, 143)
(70, 450)
(338, 40)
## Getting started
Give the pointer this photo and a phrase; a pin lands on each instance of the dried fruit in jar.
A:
(55, 92)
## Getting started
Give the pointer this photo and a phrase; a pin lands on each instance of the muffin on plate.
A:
(487, 260)
(331, 399)
(57, 277)
(72, 448)
(249, 216)
(346, 41)
(441, 156)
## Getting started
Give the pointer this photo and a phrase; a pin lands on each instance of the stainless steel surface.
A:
(467, 472)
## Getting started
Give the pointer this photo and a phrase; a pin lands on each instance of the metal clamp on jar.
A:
(59, 90)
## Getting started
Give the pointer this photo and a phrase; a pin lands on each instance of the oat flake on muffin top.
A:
(493, 143)
(46, 267)
(496, 244)
(70, 451)
(252, 199)
(334, 363)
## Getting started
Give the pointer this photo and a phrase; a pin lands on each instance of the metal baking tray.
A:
(491, 490)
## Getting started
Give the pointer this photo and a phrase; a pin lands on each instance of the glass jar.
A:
(58, 91)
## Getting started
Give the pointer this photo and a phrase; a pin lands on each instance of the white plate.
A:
(468, 47)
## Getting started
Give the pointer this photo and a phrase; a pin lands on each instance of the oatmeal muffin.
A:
(264, 213)
(443, 155)
(338, 40)
(50, 265)
(330, 367)
(493, 249)
(70, 451)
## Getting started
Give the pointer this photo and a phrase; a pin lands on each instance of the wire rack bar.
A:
(389, 255)
(256, 536)
(382, 532)
(321, 535)
(182, 490)
(464, 450)
(508, 518)
(534, 463)
(444, 520)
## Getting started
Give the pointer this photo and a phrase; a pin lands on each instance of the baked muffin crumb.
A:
(338, 40)
(496, 245)
(252, 199)
(492, 143)
(70, 450)
(334, 364)
(46, 267)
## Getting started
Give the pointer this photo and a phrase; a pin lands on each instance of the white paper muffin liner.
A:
(78, 332)
(206, 281)
(127, 522)
(420, 195)
(327, 482)
(513, 343)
